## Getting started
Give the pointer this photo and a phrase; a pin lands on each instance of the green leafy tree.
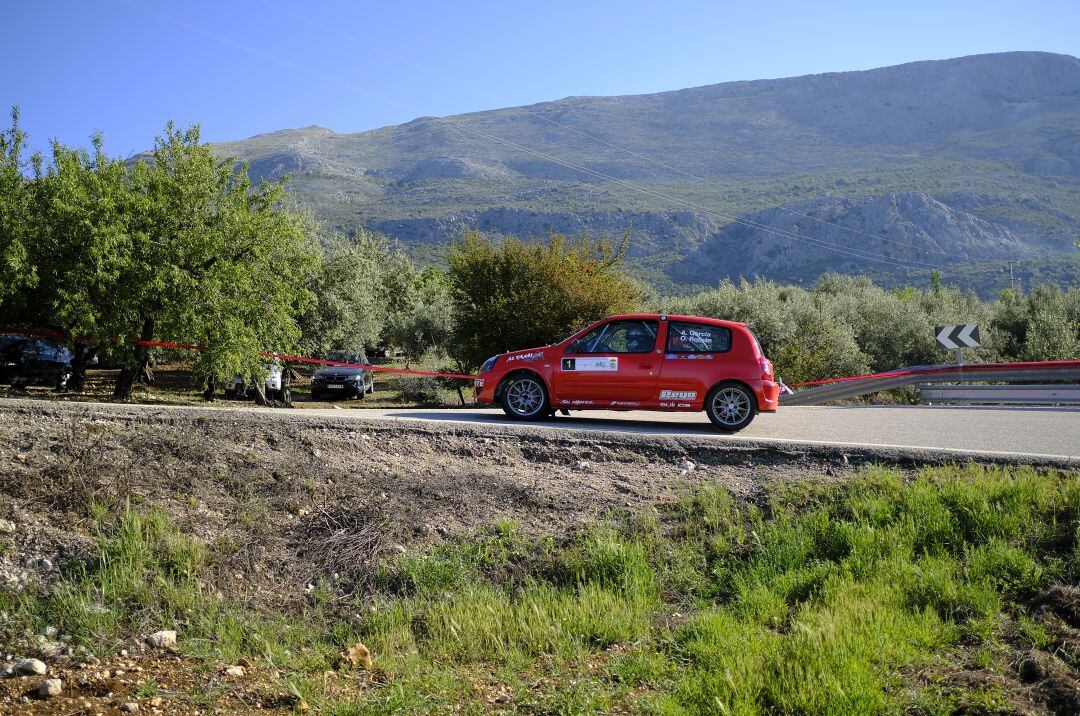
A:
(82, 250)
(358, 287)
(16, 216)
(1051, 336)
(427, 324)
(511, 294)
(213, 260)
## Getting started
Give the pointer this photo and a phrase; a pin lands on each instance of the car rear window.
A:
(697, 338)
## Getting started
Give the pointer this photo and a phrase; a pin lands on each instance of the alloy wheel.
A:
(731, 406)
(525, 397)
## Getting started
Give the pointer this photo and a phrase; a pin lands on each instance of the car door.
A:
(617, 362)
(692, 356)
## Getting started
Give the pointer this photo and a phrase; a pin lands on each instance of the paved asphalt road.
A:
(1027, 431)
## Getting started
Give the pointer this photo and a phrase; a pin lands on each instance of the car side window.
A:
(697, 338)
(619, 337)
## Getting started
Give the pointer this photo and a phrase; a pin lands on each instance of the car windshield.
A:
(343, 357)
(42, 351)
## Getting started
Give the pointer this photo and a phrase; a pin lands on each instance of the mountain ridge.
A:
(1001, 127)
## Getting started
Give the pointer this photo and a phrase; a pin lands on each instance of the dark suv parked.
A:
(33, 361)
(352, 380)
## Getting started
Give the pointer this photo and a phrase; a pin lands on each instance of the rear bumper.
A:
(768, 396)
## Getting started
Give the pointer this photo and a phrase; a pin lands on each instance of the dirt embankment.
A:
(268, 494)
(266, 484)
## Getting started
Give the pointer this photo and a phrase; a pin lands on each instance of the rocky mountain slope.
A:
(984, 148)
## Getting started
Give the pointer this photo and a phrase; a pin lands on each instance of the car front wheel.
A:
(730, 406)
(525, 398)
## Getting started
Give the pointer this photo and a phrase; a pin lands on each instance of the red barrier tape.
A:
(974, 368)
(46, 333)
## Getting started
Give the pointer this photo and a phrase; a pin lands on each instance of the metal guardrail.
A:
(993, 372)
(1001, 394)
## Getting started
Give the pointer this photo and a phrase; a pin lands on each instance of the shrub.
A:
(511, 294)
(421, 390)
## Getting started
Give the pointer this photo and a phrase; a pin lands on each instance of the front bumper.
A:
(484, 389)
(347, 389)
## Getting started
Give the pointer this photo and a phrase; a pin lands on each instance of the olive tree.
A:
(359, 285)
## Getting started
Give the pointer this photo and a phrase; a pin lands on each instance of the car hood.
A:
(338, 371)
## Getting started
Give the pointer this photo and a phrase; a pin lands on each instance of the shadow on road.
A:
(574, 422)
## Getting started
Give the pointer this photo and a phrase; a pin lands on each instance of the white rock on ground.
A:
(50, 688)
(165, 639)
(7, 527)
(130, 707)
(234, 671)
(30, 667)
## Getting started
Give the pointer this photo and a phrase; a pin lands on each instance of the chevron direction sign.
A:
(963, 336)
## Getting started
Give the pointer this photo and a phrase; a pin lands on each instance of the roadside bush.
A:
(511, 294)
(421, 390)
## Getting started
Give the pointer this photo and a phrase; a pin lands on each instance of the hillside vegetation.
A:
(975, 157)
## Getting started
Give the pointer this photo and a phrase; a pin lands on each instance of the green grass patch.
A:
(815, 598)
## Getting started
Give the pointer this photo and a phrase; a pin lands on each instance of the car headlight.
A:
(489, 364)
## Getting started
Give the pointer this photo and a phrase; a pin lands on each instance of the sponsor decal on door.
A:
(677, 395)
(579, 365)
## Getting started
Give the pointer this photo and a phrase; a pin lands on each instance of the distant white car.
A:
(277, 385)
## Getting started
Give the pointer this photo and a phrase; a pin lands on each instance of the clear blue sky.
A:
(241, 68)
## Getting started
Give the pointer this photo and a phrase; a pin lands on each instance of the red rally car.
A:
(638, 362)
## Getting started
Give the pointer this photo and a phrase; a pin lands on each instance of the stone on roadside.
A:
(130, 708)
(7, 527)
(164, 639)
(50, 688)
(687, 466)
(234, 671)
(29, 667)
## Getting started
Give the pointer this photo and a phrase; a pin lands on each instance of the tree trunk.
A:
(129, 374)
(260, 393)
(80, 359)
(211, 388)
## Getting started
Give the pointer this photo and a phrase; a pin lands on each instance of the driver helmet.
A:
(638, 340)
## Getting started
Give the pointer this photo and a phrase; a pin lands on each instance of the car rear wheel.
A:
(525, 397)
(730, 406)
